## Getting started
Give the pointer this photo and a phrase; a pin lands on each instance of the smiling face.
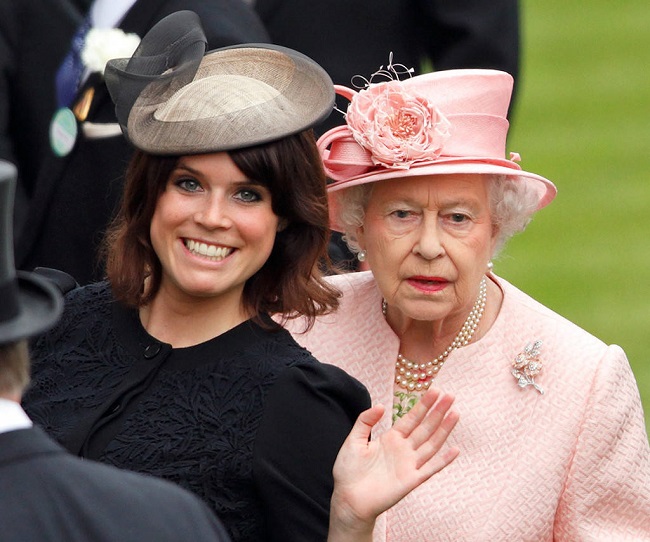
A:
(212, 229)
(428, 241)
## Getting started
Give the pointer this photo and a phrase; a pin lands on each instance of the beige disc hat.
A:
(172, 99)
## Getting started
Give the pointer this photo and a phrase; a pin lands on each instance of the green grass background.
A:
(582, 119)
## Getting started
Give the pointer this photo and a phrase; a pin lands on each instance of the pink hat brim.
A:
(545, 189)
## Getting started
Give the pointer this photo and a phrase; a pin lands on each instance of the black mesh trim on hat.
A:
(166, 59)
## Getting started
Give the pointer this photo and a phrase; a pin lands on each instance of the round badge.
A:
(63, 131)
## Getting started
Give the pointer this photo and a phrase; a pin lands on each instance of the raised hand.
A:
(370, 477)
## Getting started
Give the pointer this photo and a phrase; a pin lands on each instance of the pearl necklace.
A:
(418, 376)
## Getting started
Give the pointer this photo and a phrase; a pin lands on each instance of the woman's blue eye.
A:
(248, 196)
(191, 185)
(458, 217)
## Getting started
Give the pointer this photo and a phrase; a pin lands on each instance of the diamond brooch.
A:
(527, 366)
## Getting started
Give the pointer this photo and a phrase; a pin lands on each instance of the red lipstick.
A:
(428, 284)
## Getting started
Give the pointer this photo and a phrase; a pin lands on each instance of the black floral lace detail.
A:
(69, 363)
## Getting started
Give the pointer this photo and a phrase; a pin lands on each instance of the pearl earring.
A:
(361, 256)
(490, 266)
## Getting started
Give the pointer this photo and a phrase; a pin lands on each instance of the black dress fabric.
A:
(249, 421)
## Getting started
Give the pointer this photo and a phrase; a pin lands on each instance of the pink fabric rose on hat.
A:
(398, 128)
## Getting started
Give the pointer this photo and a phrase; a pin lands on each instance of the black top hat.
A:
(29, 304)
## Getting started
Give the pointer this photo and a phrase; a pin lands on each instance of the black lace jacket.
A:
(249, 420)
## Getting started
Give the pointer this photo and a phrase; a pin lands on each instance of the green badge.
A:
(63, 131)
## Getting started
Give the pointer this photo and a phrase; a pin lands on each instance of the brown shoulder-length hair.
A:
(290, 283)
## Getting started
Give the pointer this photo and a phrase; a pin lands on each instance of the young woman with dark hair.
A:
(288, 283)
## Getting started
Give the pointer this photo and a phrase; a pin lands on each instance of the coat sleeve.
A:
(308, 414)
(607, 492)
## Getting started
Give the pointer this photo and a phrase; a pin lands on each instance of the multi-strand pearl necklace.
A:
(418, 376)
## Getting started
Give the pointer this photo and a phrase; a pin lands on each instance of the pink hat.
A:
(438, 123)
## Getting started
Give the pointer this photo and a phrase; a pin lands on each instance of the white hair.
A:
(512, 205)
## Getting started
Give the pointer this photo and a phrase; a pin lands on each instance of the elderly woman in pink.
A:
(551, 434)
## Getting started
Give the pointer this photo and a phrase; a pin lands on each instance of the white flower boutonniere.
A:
(103, 44)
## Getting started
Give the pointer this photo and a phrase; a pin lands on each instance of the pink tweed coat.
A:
(572, 464)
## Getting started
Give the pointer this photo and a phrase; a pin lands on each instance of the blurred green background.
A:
(582, 119)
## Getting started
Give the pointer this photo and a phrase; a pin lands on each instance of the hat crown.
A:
(28, 304)
(10, 307)
(465, 92)
(8, 176)
(424, 119)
